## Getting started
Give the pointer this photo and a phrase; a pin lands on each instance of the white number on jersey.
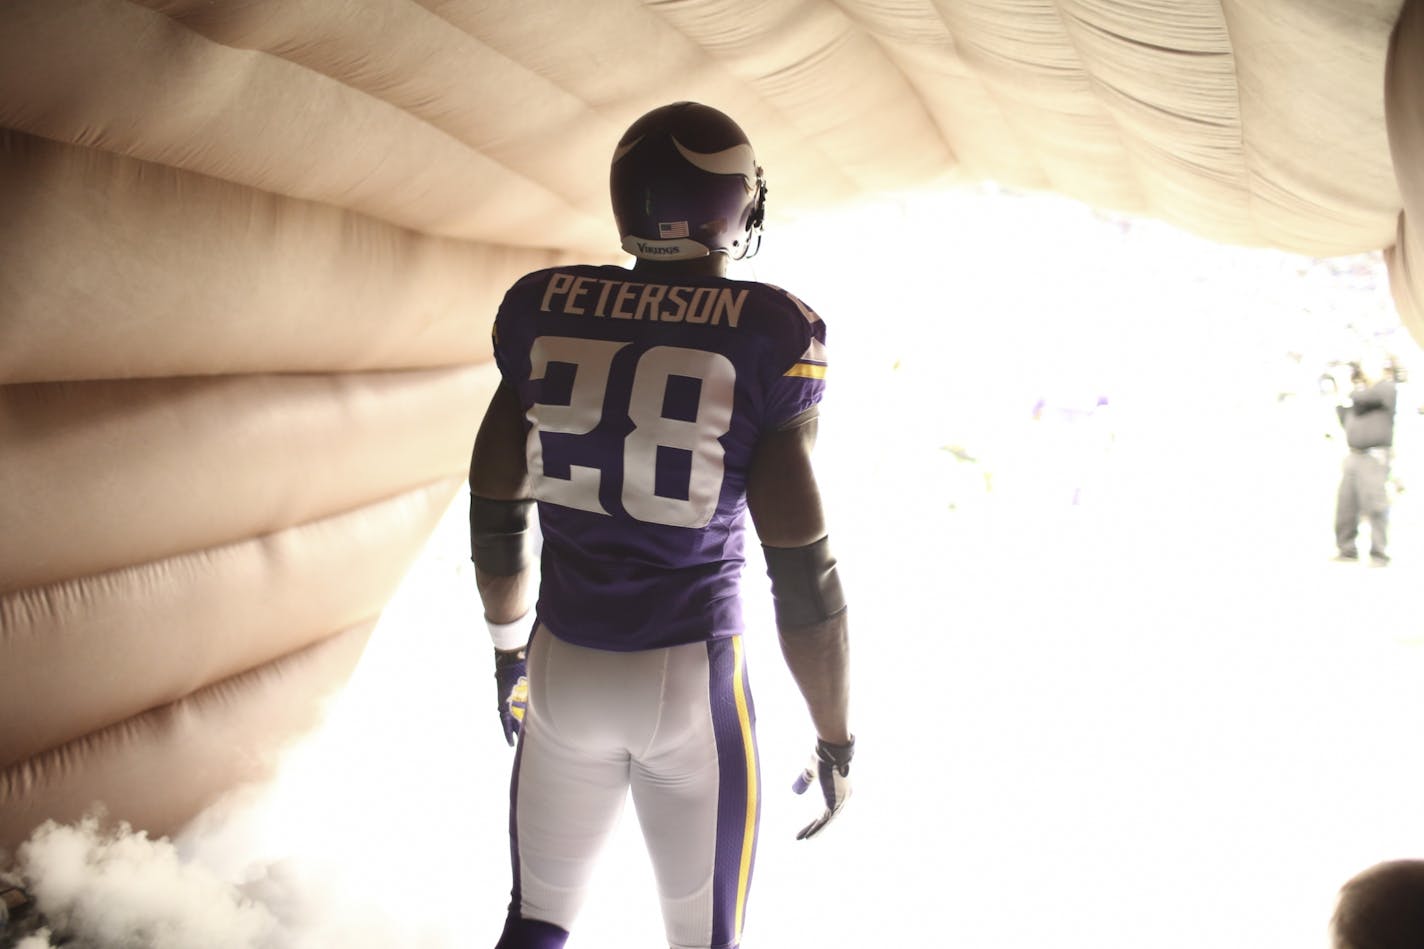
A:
(592, 361)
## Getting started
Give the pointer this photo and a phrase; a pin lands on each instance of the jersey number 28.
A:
(592, 361)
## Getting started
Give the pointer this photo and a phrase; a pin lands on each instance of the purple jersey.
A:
(645, 399)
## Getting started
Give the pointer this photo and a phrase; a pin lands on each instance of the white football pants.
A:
(674, 726)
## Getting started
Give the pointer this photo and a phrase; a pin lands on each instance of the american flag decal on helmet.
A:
(671, 229)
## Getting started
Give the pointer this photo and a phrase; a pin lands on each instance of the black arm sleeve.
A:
(499, 535)
(805, 587)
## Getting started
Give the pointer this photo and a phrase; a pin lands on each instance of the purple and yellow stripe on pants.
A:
(738, 799)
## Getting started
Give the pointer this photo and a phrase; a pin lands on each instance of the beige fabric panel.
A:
(588, 48)
(117, 268)
(975, 128)
(1313, 115)
(1249, 121)
(84, 653)
(1405, 261)
(420, 63)
(1404, 108)
(155, 90)
(158, 770)
(1026, 60)
(151, 546)
(1169, 84)
(99, 475)
(817, 68)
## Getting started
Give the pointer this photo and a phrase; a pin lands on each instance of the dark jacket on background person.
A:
(1369, 418)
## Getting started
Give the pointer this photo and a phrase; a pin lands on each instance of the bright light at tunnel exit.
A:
(1079, 472)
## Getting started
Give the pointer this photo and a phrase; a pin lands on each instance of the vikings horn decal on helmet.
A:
(685, 183)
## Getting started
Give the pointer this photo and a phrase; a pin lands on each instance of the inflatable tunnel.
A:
(250, 251)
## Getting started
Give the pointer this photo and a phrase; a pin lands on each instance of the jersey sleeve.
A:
(509, 334)
(800, 366)
(499, 360)
(499, 346)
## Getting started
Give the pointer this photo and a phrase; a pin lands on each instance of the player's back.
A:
(646, 396)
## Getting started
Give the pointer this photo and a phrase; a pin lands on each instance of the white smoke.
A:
(116, 888)
(386, 828)
(123, 890)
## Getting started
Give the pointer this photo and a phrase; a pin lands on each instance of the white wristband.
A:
(508, 636)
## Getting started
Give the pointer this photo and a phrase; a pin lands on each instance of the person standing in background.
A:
(1367, 415)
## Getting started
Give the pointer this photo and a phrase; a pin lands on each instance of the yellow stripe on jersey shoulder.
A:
(806, 370)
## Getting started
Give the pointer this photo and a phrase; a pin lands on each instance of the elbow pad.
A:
(805, 588)
(499, 532)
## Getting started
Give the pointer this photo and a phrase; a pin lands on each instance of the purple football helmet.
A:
(685, 183)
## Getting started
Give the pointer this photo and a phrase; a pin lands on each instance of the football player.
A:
(646, 411)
